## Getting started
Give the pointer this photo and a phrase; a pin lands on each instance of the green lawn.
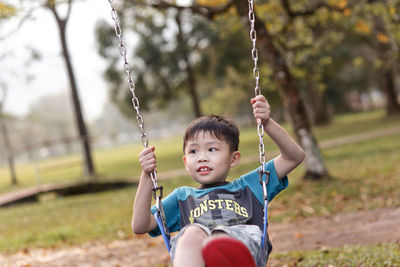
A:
(121, 162)
(349, 256)
(365, 175)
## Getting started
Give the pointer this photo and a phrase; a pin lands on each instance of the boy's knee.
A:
(194, 233)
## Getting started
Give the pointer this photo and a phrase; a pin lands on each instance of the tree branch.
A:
(69, 10)
(310, 11)
(52, 7)
(205, 11)
(26, 17)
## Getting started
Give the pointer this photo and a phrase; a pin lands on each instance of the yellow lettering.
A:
(228, 204)
(196, 212)
(219, 201)
(203, 207)
(191, 219)
(237, 208)
(244, 212)
(211, 204)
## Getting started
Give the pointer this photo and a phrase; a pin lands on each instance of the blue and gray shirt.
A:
(237, 202)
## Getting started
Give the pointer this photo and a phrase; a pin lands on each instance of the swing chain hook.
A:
(157, 190)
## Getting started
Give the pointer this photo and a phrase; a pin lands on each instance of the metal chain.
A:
(257, 89)
(135, 100)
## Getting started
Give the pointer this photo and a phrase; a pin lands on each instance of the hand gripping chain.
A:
(260, 127)
(157, 190)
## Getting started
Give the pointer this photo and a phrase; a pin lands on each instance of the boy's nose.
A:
(202, 157)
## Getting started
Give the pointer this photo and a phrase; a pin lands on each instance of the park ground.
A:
(319, 233)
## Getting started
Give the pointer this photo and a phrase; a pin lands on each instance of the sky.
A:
(50, 76)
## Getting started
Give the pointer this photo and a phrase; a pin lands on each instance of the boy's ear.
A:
(235, 158)
(184, 160)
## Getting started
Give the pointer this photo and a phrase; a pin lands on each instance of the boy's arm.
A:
(291, 154)
(143, 220)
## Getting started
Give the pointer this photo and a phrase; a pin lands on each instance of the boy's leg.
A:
(188, 248)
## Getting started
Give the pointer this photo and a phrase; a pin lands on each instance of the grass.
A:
(357, 256)
(65, 221)
(365, 176)
(121, 162)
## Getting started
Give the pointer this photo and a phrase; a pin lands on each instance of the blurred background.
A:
(318, 58)
(329, 69)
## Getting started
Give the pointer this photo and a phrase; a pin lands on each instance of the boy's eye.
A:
(192, 151)
(212, 149)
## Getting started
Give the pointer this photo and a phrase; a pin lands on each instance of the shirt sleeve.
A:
(275, 185)
(172, 215)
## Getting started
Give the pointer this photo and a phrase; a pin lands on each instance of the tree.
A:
(287, 86)
(53, 6)
(376, 26)
(83, 132)
(288, 89)
(387, 51)
(4, 132)
(165, 59)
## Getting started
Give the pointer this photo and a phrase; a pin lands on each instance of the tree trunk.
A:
(386, 53)
(83, 133)
(318, 107)
(189, 69)
(8, 150)
(287, 87)
(388, 86)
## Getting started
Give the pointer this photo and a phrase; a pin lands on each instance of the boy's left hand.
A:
(261, 109)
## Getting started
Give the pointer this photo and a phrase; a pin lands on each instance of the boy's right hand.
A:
(147, 159)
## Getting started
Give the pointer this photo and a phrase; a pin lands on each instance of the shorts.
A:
(250, 235)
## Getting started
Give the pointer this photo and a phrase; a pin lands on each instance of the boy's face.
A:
(209, 159)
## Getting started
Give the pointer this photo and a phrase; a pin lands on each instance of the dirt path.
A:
(368, 227)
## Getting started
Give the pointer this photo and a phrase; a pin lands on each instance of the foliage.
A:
(330, 46)
(158, 64)
(232, 95)
(326, 45)
(7, 11)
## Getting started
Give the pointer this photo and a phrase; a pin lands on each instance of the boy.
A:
(220, 223)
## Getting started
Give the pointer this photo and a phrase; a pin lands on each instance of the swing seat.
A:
(227, 252)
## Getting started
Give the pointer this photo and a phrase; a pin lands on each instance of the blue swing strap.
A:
(159, 215)
(264, 183)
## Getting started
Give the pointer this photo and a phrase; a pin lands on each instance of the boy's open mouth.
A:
(203, 169)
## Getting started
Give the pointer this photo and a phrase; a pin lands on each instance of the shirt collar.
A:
(205, 186)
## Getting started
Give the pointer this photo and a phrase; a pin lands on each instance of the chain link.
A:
(131, 86)
(257, 89)
(135, 100)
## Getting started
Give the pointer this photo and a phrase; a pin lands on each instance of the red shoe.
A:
(227, 252)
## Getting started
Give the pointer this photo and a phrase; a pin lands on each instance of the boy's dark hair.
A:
(218, 126)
